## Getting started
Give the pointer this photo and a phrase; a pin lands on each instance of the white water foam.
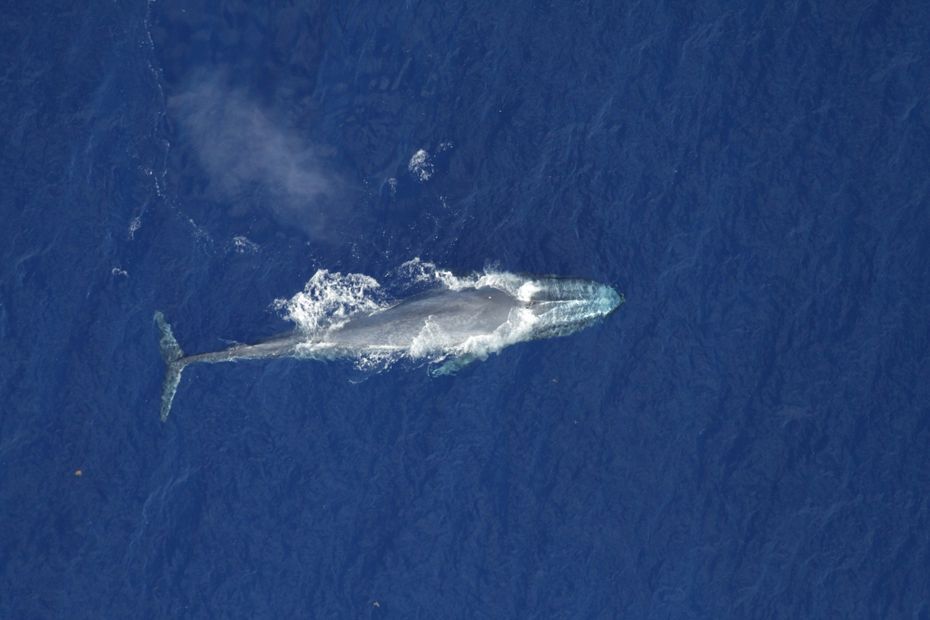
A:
(419, 271)
(243, 245)
(421, 166)
(329, 298)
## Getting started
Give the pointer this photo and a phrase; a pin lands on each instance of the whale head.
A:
(565, 305)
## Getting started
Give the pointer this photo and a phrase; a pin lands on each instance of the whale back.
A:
(452, 315)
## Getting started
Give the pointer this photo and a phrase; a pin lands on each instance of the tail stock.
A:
(174, 363)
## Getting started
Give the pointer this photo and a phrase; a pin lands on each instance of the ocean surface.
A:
(748, 436)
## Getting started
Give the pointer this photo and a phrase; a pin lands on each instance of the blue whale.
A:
(449, 328)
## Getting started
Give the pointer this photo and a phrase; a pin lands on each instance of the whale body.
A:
(448, 327)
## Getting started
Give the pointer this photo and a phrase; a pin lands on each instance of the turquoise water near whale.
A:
(747, 436)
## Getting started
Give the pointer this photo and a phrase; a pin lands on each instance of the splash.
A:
(418, 271)
(329, 299)
(421, 166)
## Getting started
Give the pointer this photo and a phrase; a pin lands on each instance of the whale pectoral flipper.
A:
(174, 363)
(452, 366)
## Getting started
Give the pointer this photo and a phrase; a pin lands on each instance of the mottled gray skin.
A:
(458, 315)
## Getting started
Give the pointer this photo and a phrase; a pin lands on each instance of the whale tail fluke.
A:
(174, 363)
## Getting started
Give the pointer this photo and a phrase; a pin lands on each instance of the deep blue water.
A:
(747, 437)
